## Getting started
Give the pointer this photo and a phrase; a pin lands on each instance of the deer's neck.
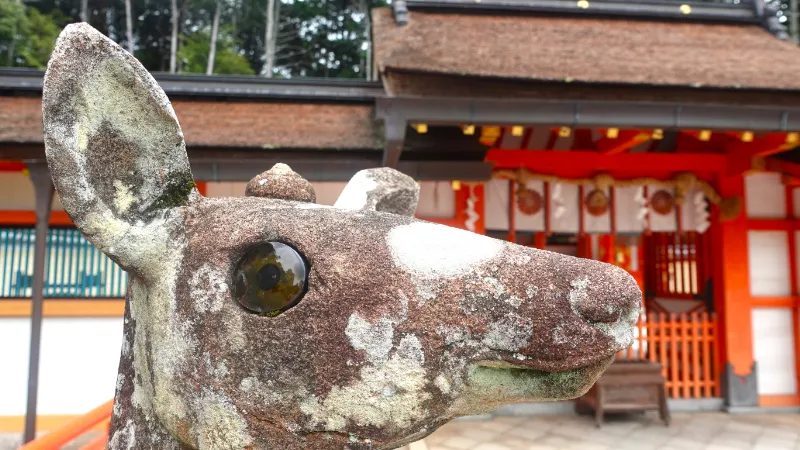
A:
(133, 424)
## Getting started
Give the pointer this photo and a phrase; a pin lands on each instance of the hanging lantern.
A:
(529, 201)
(596, 202)
(662, 202)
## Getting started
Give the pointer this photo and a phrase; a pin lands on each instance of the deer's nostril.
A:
(599, 311)
(607, 298)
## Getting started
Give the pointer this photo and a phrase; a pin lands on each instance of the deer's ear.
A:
(382, 189)
(114, 147)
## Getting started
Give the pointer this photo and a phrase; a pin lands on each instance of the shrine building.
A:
(661, 136)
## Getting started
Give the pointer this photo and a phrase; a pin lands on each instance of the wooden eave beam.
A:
(587, 163)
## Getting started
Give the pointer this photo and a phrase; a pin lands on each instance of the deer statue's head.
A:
(270, 322)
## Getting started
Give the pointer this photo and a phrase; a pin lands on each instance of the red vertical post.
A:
(696, 330)
(673, 355)
(732, 293)
(540, 240)
(792, 242)
(512, 212)
(547, 208)
(581, 211)
(707, 347)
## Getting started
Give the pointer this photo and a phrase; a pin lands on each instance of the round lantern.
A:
(529, 201)
(596, 202)
(662, 202)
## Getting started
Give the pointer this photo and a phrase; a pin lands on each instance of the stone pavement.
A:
(688, 431)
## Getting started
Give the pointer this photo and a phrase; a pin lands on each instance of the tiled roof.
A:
(593, 50)
(232, 124)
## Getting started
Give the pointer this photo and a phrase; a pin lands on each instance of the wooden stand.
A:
(627, 386)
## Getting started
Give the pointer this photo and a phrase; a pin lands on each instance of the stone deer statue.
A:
(270, 322)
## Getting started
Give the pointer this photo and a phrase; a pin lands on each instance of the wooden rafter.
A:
(767, 145)
(623, 142)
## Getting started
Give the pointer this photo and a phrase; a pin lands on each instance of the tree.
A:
(195, 50)
(214, 33)
(173, 43)
(13, 24)
(27, 36)
(129, 25)
(270, 36)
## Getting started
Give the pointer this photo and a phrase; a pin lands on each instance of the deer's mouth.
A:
(492, 384)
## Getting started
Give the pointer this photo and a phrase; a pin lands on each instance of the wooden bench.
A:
(627, 386)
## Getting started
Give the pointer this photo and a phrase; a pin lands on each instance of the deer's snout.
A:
(581, 311)
(616, 295)
(498, 301)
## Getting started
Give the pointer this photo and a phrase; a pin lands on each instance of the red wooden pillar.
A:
(732, 300)
(512, 216)
(792, 242)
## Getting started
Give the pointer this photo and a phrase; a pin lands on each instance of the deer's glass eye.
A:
(270, 278)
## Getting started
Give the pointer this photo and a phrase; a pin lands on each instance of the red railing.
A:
(98, 417)
(684, 345)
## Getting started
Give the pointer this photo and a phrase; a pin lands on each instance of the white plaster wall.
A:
(496, 204)
(796, 202)
(568, 222)
(327, 192)
(78, 365)
(768, 256)
(773, 349)
(627, 210)
(437, 199)
(225, 189)
(765, 196)
(18, 194)
(691, 213)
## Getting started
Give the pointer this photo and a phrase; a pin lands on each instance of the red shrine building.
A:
(660, 136)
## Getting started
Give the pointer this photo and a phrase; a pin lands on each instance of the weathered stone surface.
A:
(281, 182)
(402, 324)
(381, 189)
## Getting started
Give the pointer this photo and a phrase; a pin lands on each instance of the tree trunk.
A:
(368, 38)
(85, 11)
(234, 17)
(794, 21)
(129, 25)
(269, 38)
(212, 51)
(173, 48)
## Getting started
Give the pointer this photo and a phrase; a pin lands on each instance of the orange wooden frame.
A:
(99, 416)
(65, 307)
(28, 218)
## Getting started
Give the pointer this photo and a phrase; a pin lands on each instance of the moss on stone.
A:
(176, 191)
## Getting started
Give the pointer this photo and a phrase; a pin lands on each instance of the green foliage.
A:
(36, 48)
(27, 36)
(12, 14)
(194, 53)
